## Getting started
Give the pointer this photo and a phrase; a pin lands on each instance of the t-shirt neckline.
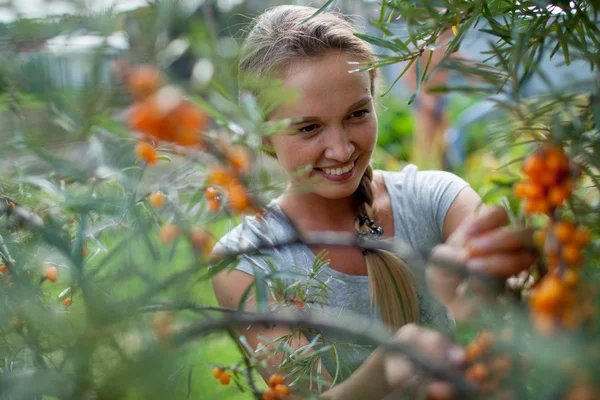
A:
(312, 256)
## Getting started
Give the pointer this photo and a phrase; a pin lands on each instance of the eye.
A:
(308, 128)
(358, 114)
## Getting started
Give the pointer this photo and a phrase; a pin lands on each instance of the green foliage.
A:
(74, 195)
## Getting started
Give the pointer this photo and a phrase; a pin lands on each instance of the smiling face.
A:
(334, 129)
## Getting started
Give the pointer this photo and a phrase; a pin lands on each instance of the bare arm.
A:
(374, 380)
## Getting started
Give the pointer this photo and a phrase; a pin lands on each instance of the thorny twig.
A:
(370, 336)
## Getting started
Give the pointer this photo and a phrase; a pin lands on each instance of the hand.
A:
(483, 246)
(488, 247)
(433, 347)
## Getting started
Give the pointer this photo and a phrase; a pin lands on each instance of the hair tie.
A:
(374, 233)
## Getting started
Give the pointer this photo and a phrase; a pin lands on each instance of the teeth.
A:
(339, 171)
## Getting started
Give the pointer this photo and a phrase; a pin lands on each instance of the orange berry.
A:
(557, 195)
(564, 230)
(217, 372)
(533, 166)
(571, 277)
(167, 233)
(556, 160)
(221, 176)
(282, 390)
(84, 251)
(548, 294)
(583, 392)
(144, 81)
(157, 199)
(533, 190)
(147, 117)
(533, 206)
(582, 236)
(210, 193)
(539, 238)
(239, 158)
(51, 273)
(188, 121)
(201, 240)
(214, 205)
(3, 269)
(477, 372)
(275, 380)
(66, 302)
(147, 153)
(571, 253)
(11, 204)
(225, 378)
(473, 351)
(269, 394)
(547, 178)
(520, 189)
(238, 198)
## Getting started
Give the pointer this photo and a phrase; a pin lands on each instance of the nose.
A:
(339, 145)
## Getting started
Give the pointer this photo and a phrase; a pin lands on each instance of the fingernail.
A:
(476, 265)
(456, 355)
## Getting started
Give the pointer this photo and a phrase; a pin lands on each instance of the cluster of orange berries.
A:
(554, 301)
(222, 376)
(200, 239)
(549, 182)
(162, 113)
(563, 241)
(297, 302)
(228, 180)
(489, 368)
(276, 390)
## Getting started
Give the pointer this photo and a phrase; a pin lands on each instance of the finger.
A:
(443, 283)
(449, 258)
(501, 265)
(490, 218)
(501, 240)
(439, 390)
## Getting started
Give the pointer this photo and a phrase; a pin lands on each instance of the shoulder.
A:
(255, 231)
(411, 180)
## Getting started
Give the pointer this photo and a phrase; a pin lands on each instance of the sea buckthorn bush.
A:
(114, 192)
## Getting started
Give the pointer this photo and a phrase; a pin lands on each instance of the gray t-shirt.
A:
(419, 199)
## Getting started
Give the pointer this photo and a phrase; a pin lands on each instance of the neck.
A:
(313, 212)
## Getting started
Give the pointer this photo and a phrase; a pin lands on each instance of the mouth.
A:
(340, 173)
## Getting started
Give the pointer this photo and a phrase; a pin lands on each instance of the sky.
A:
(11, 9)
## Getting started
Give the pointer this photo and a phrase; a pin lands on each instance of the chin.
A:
(336, 193)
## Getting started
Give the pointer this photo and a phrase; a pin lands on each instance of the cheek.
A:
(293, 153)
(366, 135)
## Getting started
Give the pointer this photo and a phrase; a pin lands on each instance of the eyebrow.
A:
(302, 120)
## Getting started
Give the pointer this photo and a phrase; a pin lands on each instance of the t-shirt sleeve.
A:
(243, 239)
(437, 190)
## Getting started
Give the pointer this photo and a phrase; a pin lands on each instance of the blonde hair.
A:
(287, 33)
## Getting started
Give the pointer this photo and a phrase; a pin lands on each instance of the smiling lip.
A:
(338, 174)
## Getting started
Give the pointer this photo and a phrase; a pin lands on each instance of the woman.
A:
(331, 140)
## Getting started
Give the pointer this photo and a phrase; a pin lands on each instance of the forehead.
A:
(322, 86)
